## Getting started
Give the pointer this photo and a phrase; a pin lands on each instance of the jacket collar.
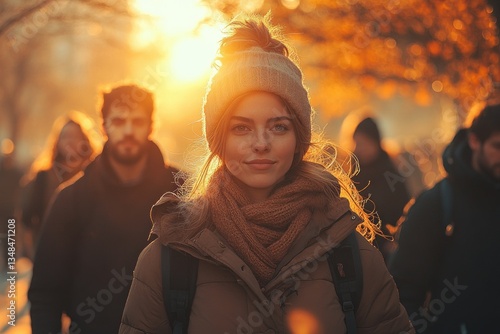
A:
(154, 165)
(321, 235)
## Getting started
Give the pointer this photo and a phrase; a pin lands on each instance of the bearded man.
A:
(446, 267)
(98, 225)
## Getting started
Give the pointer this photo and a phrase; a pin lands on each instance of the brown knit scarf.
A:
(261, 233)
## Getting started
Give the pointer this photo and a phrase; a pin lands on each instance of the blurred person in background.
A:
(446, 265)
(70, 147)
(379, 181)
(98, 225)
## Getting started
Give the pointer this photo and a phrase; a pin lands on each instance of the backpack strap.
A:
(345, 267)
(446, 192)
(179, 276)
(179, 285)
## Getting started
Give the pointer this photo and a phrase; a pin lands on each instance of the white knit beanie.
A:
(251, 70)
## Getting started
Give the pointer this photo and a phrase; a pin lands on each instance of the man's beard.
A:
(128, 159)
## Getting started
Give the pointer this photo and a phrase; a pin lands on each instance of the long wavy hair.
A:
(194, 207)
(50, 153)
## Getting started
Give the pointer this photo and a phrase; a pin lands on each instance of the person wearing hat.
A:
(262, 214)
(379, 182)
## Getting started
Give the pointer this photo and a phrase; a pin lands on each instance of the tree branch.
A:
(21, 15)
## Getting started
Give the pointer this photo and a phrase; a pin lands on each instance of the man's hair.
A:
(486, 123)
(130, 96)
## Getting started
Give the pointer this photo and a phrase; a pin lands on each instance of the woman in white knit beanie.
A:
(246, 248)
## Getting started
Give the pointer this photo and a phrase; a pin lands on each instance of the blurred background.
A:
(419, 67)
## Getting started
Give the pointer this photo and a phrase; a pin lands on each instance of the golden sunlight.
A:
(302, 322)
(191, 47)
(192, 57)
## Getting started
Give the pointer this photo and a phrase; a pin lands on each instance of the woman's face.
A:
(72, 145)
(260, 143)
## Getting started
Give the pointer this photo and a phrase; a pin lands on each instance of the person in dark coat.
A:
(379, 181)
(69, 149)
(98, 225)
(447, 270)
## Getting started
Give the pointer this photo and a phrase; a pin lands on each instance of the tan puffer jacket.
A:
(300, 298)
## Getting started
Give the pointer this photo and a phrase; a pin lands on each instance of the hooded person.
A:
(379, 181)
(262, 213)
(445, 263)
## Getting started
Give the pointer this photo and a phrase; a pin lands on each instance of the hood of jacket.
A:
(457, 161)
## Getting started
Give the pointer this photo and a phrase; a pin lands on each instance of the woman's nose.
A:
(261, 142)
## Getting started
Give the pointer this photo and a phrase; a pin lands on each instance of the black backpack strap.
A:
(179, 276)
(345, 267)
(446, 192)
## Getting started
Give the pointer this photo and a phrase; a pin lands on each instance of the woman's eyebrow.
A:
(241, 119)
(280, 118)
(272, 119)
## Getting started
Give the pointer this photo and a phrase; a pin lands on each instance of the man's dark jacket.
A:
(461, 271)
(89, 245)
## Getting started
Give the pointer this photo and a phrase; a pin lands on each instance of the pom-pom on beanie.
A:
(255, 67)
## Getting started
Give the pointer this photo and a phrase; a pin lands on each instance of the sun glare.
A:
(191, 49)
(192, 57)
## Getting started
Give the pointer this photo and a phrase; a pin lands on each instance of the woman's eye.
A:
(240, 128)
(280, 127)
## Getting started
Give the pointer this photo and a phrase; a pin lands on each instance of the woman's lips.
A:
(260, 164)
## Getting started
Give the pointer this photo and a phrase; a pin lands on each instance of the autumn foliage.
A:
(353, 50)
